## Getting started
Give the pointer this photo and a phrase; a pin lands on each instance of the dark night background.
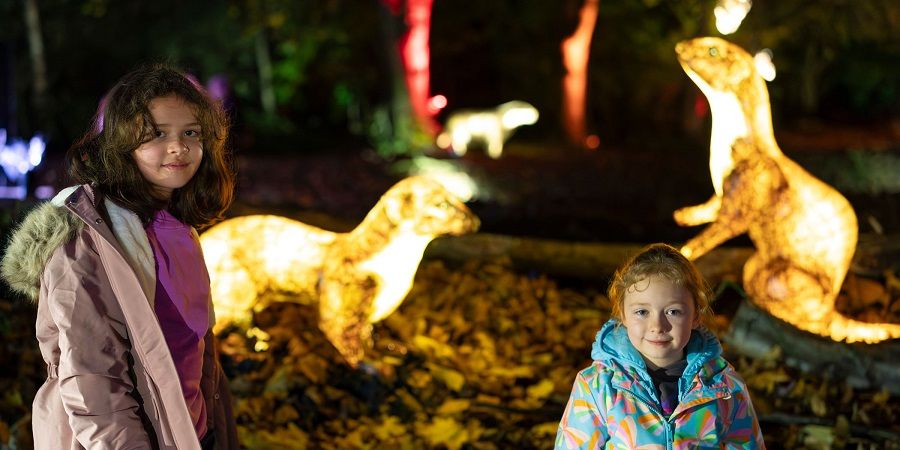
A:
(835, 100)
(334, 139)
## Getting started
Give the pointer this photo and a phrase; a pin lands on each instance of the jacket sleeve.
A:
(220, 415)
(583, 424)
(743, 426)
(95, 363)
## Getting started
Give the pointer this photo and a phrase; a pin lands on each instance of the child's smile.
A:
(659, 316)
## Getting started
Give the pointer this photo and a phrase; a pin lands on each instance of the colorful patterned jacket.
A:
(614, 402)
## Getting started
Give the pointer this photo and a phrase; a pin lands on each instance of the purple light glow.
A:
(17, 158)
(218, 87)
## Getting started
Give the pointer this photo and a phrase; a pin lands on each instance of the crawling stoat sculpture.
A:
(358, 278)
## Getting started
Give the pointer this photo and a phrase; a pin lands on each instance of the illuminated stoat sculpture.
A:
(358, 278)
(804, 231)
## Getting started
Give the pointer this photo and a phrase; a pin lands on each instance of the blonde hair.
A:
(664, 261)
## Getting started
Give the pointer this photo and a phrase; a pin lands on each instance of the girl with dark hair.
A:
(124, 313)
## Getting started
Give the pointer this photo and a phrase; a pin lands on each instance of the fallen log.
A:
(753, 333)
(585, 260)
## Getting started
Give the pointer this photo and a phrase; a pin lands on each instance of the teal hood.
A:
(612, 346)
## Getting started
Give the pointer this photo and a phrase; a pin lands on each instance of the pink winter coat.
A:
(111, 382)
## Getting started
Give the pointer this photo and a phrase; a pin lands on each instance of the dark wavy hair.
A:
(103, 157)
(664, 261)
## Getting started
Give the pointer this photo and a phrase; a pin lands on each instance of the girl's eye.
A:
(158, 134)
(674, 312)
(192, 133)
(640, 312)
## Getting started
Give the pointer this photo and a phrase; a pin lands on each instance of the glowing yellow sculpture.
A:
(358, 278)
(493, 127)
(804, 231)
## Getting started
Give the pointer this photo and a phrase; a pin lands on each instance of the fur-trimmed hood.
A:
(44, 229)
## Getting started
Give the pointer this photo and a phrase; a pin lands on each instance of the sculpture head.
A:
(423, 206)
(716, 64)
(517, 113)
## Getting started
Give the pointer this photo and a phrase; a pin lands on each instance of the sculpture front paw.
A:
(698, 215)
(688, 216)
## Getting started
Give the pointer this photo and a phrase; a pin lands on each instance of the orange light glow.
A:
(804, 231)
(576, 51)
(357, 278)
(492, 127)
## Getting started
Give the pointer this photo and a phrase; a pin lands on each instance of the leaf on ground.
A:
(444, 431)
(451, 378)
(453, 406)
(540, 390)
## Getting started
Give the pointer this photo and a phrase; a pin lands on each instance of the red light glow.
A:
(576, 52)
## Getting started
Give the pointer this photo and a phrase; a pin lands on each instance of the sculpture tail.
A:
(843, 328)
(831, 323)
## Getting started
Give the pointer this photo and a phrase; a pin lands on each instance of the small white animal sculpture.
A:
(492, 127)
(358, 278)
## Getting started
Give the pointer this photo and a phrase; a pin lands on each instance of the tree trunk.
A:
(38, 60)
(753, 332)
(416, 57)
(401, 115)
(573, 259)
(7, 90)
(264, 68)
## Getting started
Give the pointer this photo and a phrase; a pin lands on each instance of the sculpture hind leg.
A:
(342, 318)
(806, 301)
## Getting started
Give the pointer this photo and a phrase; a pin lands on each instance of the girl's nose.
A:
(177, 145)
(660, 323)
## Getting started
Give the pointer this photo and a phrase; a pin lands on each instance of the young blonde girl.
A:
(114, 264)
(658, 379)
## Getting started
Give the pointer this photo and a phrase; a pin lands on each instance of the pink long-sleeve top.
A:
(182, 305)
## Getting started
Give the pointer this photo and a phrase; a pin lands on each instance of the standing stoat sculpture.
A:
(804, 231)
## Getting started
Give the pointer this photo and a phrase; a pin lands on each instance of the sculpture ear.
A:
(394, 207)
(392, 210)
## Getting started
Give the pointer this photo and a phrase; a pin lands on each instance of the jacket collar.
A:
(124, 231)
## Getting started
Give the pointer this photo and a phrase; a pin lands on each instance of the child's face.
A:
(171, 158)
(659, 316)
